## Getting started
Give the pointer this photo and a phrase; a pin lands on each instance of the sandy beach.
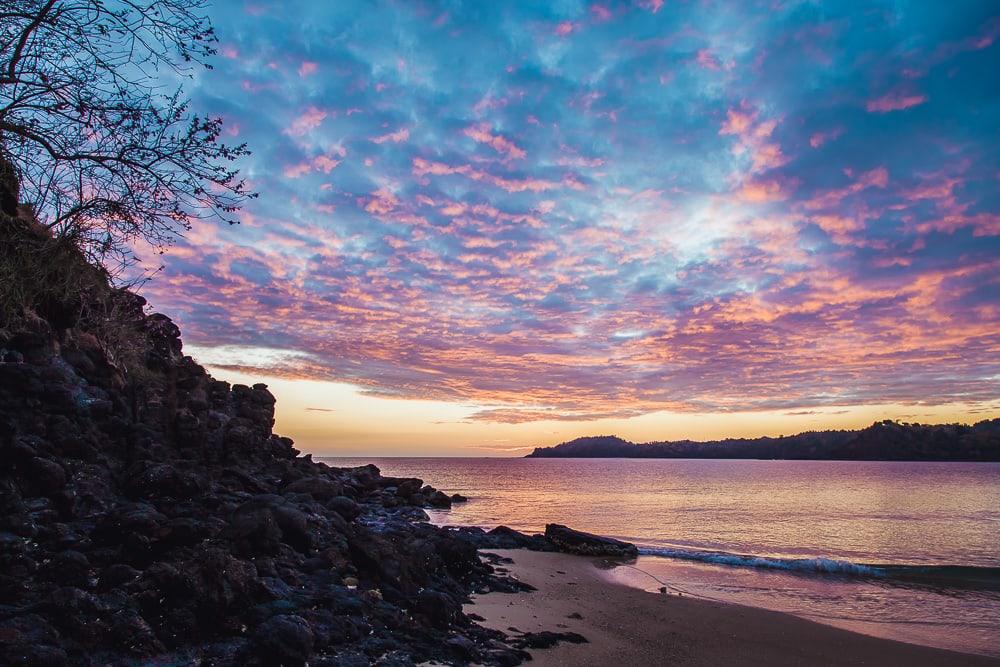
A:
(628, 626)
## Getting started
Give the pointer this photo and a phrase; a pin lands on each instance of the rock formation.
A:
(148, 512)
(149, 515)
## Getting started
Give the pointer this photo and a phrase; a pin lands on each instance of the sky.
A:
(484, 226)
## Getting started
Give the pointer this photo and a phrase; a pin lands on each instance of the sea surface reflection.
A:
(901, 550)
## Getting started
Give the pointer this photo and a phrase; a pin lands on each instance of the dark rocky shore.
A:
(148, 514)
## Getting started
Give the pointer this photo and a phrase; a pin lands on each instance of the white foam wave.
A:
(819, 565)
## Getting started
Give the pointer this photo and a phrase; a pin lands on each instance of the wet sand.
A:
(629, 626)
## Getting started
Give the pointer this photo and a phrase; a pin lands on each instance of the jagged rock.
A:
(148, 514)
(116, 575)
(438, 608)
(585, 544)
(68, 567)
(317, 487)
(344, 506)
(162, 480)
(439, 499)
(503, 537)
(44, 477)
(406, 488)
(285, 640)
(254, 528)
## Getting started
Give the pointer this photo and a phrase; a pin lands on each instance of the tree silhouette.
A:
(93, 116)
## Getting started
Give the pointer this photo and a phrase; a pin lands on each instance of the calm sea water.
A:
(909, 551)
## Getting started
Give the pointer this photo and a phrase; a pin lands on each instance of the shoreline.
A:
(628, 625)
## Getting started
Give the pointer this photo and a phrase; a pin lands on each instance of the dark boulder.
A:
(406, 488)
(438, 608)
(44, 476)
(258, 525)
(163, 480)
(30, 640)
(127, 520)
(502, 537)
(132, 633)
(70, 568)
(254, 530)
(284, 640)
(439, 500)
(344, 506)
(117, 575)
(586, 544)
(317, 487)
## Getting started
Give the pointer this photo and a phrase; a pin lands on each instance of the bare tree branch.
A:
(105, 153)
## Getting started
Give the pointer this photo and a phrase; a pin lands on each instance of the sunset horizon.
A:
(334, 419)
(620, 219)
(453, 332)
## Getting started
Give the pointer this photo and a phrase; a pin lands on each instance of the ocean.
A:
(908, 551)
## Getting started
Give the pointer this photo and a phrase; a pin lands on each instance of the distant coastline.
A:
(882, 441)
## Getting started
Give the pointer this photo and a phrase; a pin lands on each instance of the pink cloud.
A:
(580, 161)
(935, 189)
(759, 192)
(305, 122)
(422, 167)
(600, 12)
(988, 36)
(382, 201)
(481, 134)
(653, 5)
(754, 139)
(297, 170)
(307, 67)
(877, 178)
(737, 122)
(322, 163)
(565, 28)
(838, 227)
(894, 102)
(395, 137)
(708, 60)
(820, 138)
(325, 164)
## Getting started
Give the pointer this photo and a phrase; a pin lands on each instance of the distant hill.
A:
(882, 441)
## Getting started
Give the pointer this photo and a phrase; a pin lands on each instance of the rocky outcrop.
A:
(149, 515)
(556, 538)
(503, 537)
(585, 544)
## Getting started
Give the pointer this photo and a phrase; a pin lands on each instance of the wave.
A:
(954, 575)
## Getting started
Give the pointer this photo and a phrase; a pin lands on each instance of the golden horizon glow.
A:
(337, 419)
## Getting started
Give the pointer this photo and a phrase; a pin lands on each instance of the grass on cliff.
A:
(47, 278)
